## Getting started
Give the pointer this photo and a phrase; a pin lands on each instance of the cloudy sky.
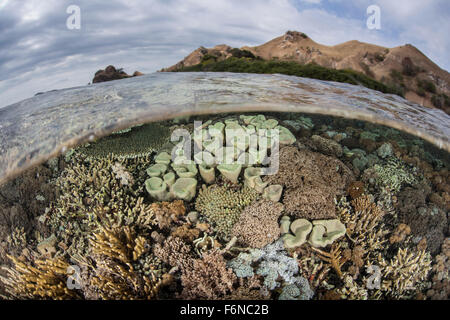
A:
(39, 53)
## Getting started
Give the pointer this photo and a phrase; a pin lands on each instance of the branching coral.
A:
(209, 278)
(334, 258)
(112, 275)
(175, 253)
(91, 194)
(258, 224)
(222, 205)
(42, 279)
(363, 223)
(404, 273)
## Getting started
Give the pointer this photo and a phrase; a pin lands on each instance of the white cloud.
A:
(149, 35)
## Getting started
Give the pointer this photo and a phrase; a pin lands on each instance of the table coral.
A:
(142, 140)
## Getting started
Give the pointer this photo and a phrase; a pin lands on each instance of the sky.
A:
(39, 52)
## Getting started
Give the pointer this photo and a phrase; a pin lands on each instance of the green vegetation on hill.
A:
(248, 64)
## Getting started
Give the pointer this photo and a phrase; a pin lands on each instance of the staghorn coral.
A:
(38, 279)
(91, 194)
(222, 205)
(405, 273)
(258, 224)
(334, 257)
(363, 223)
(311, 182)
(209, 278)
(111, 274)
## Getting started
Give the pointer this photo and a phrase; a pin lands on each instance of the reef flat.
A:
(352, 210)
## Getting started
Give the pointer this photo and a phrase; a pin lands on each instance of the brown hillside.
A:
(404, 65)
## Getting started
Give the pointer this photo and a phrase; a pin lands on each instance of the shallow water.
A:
(35, 129)
(354, 210)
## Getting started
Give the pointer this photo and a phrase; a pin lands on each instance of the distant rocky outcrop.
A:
(418, 78)
(111, 73)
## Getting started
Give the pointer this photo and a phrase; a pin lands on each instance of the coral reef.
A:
(425, 220)
(222, 206)
(258, 224)
(111, 274)
(40, 279)
(271, 262)
(209, 278)
(312, 180)
(363, 223)
(404, 274)
(327, 146)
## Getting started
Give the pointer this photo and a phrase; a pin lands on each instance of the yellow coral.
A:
(47, 279)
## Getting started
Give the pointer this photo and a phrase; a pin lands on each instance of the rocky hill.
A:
(418, 78)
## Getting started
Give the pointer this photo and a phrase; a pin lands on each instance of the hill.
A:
(403, 70)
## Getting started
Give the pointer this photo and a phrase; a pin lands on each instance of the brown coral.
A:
(112, 275)
(168, 212)
(41, 279)
(364, 224)
(175, 253)
(311, 182)
(209, 278)
(258, 224)
(400, 233)
(356, 189)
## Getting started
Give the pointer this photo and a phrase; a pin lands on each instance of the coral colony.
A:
(250, 206)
